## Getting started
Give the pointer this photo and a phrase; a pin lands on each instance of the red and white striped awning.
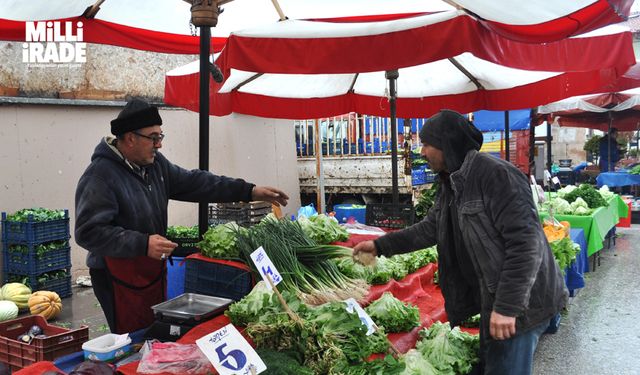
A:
(163, 25)
(306, 69)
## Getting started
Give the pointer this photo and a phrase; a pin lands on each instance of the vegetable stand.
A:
(597, 225)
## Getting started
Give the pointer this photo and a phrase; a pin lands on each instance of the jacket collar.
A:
(460, 176)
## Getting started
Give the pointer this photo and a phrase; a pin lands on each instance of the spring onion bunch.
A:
(306, 267)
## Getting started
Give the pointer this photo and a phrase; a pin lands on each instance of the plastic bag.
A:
(307, 211)
(173, 358)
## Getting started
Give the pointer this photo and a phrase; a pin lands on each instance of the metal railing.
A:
(354, 135)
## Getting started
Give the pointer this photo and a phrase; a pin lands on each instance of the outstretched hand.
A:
(269, 194)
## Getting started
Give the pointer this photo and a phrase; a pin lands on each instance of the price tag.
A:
(353, 305)
(230, 353)
(266, 267)
(555, 180)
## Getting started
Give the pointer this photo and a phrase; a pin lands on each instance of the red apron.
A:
(138, 283)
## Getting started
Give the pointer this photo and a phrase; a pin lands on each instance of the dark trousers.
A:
(103, 289)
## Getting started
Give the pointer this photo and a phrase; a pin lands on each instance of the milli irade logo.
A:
(54, 44)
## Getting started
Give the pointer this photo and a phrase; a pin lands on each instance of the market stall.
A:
(597, 224)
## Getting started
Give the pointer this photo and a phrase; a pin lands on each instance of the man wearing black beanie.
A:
(121, 213)
(493, 257)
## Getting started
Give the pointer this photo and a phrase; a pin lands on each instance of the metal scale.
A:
(177, 316)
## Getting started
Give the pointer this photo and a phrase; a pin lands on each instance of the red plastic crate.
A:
(59, 342)
(625, 222)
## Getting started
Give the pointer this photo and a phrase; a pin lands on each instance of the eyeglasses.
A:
(155, 138)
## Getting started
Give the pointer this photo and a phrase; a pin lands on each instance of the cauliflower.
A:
(579, 202)
(566, 190)
(606, 193)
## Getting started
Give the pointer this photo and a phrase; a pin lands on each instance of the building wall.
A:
(568, 143)
(44, 149)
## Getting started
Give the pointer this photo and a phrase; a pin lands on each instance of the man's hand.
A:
(365, 253)
(159, 247)
(269, 194)
(502, 327)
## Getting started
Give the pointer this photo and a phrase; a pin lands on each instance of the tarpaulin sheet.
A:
(574, 273)
(613, 179)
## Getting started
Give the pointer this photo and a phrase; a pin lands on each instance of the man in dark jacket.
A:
(493, 257)
(121, 213)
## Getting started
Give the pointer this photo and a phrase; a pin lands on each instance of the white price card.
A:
(266, 267)
(353, 305)
(230, 353)
(555, 180)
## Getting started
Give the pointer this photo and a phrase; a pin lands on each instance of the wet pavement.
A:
(599, 333)
(82, 308)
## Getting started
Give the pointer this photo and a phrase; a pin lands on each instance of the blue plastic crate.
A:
(30, 264)
(35, 231)
(61, 286)
(346, 211)
(216, 279)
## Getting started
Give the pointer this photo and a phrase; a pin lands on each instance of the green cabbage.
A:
(323, 229)
(220, 241)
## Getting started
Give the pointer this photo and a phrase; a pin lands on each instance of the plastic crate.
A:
(387, 215)
(62, 286)
(346, 211)
(217, 278)
(30, 264)
(35, 231)
(59, 342)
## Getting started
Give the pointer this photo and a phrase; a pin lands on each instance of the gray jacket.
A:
(501, 230)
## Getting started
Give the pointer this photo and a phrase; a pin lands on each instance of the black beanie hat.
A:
(137, 114)
(452, 133)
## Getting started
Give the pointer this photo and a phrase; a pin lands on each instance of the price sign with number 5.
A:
(230, 353)
(266, 267)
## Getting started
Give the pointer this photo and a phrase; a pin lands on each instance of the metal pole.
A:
(319, 167)
(506, 136)
(392, 75)
(205, 38)
(532, 141)
(609, 165)
(549, 161)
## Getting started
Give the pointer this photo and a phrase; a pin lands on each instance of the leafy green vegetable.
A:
(450, 351)
(426, 200)
(37, 214)
(635, 170)
(279, 363)
(307, 269)
(564, 251)
(179, 231)
(417, 259)
(323, 229)
(220, 241)
(606, 193)
(417, 364)
(589, 194)
(393, 314)
(472, 322)
(328, 339)
(379, 366)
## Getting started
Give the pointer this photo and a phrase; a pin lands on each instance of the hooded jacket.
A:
(503, 238)
(117, 208)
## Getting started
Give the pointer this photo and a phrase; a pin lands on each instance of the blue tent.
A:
(488, 121)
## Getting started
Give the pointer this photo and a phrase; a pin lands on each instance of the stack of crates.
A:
(243, 213)
(38, 253)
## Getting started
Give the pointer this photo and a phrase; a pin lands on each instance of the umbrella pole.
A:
(392, 75)
(506, 136)
(609, 165)
(319, 167)
(203, 142)
(549, 139)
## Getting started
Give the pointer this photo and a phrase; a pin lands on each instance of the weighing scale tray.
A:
(191, 306)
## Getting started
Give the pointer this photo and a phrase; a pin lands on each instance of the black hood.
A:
(452, 133)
